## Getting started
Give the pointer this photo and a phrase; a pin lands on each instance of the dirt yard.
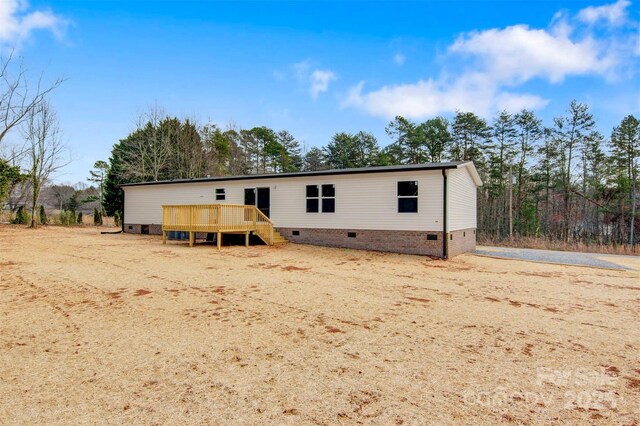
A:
(120, 329)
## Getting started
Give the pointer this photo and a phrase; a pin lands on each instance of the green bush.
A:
(97, 217)
(43, 215)
(22, 217)
(79, 220)
(67, 217)
(116, 218)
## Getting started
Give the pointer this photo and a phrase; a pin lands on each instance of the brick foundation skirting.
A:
(461, 241)
(410, 242)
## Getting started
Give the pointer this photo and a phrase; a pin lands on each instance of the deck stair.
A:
(278, 238)
(219, 219)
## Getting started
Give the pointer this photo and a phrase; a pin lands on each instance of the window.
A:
(250, 196)
(408, 197)
(328, 198)
(220, 195)
(313, 199)
(321, 198)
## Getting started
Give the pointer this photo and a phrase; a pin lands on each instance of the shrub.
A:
(22, 217)
(67, 217)
(79, 220)
(43, 215)
(97, 217)
(116, 218)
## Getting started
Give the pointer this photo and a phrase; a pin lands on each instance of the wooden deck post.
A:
(219, 239)
(164, 237)
(246, 238)
(192, 238)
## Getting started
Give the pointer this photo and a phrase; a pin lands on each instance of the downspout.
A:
(444, 214)
(122, 218)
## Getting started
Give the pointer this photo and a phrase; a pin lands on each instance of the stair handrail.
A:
(261, 217)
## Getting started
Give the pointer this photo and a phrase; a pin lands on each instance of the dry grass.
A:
(546, 244)
(121, 329)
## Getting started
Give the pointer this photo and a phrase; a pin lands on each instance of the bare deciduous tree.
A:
(18, 96)
(44, 150)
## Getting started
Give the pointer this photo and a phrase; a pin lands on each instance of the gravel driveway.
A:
(561, 257)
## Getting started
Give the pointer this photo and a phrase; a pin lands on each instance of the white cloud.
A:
(399, 59)
(613, 14)
(473, 92)
(518, 101)
(518, 53)
(315, 80)
(17, 22)
(320, 80)
(491, 65)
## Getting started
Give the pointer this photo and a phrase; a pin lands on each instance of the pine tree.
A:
(437, 138)
(314, 160)
(409, 141)
(572, 131)
(471, 136)
(529, 131)
(625, 148)
(290, 160)
(500, 163)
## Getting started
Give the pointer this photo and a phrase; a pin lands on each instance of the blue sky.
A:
(315, 68)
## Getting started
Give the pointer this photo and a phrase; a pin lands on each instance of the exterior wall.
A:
(410, 242)
(363, 201)
(461, 241)
(461, 200)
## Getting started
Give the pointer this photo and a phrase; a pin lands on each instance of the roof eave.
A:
(363, 170)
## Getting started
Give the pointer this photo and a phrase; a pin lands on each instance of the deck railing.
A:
(217, 218)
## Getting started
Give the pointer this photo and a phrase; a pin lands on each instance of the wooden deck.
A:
(219, 219)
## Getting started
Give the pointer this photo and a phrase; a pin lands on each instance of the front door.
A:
(264, 201)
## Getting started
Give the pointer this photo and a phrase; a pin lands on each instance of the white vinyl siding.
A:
(363, 201)
(461, 200)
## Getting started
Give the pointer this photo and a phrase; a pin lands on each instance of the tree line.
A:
(25, 111)
(562, 181)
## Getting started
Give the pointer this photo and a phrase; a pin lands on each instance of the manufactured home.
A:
(427, 209)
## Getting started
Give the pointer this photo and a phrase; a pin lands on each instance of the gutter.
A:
(444, 214)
